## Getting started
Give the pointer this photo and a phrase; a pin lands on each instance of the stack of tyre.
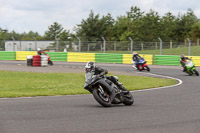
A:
(29, 60)
(44, 60)
(36, 60)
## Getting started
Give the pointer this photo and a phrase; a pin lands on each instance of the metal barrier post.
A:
(104, 45)
(189, 45)
(160, 45)
(79, 44)
(131, 44)
(56, 42)
(13, 43)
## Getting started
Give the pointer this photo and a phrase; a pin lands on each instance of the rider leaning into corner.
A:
(182, 61)
(90, 67)
(135, 59)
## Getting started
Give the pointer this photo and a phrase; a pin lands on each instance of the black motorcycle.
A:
(105, 91)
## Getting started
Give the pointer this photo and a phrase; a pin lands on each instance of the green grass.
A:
(28, 84)
(174, 51)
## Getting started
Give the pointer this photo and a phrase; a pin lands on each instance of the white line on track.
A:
(179, 82)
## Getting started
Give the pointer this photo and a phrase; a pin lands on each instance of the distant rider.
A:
(40, 52)
(135, 60)
(183, 60)
(90, 67)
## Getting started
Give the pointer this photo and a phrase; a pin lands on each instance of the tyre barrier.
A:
(36, 60)
(44, 60)
(30, 60)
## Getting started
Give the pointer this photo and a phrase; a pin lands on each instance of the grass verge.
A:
(174, 51)
(28, 84)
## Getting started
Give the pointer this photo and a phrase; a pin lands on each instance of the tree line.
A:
(139, 25)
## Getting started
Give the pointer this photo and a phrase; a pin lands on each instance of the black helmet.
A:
(89, 66)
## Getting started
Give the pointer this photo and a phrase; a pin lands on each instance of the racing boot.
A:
(134, 67)
(121, 87)
(184, 69)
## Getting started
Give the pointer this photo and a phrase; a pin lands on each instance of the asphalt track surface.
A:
(167, 110)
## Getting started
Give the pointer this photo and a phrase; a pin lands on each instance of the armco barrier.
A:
(80, 57)
(22, 55)
(166, 60)
(127, 58)
(108, 58)
(58, 56)
(99, 57)
(7, 55)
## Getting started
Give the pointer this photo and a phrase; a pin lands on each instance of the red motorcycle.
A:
(142, 65)
(49, 60)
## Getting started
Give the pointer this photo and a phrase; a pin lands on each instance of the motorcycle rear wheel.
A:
(101, 99)
(50, 63)
(128, 99)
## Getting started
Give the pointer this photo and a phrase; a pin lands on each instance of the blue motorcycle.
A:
(142, 65)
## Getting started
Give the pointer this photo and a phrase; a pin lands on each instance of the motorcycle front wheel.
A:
(102, 97)
(148, 69)
(128, 99)
(196, 72)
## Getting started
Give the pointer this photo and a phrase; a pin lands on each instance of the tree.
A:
(53, 31)
(107, 28)
(168, 27)
(134, 13)
(92, 28)
(29, 36)
(149, 27)
(184, 24)
(120, 27)
(195, 31)
(128, 26)
(64, 35)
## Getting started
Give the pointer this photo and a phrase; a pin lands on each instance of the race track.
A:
(168, 110)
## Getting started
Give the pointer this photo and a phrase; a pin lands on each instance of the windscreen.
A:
(189, 63)
(88, 78)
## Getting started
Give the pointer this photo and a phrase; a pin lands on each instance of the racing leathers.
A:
(100, 71)
(135, 60)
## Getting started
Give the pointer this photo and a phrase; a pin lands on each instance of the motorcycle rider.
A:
(39, 51)
(90, 67)
(182, 61)
(135, 60)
